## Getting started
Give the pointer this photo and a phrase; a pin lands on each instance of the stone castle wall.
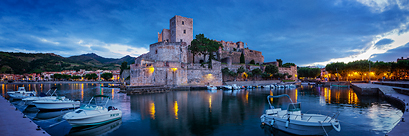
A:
(292, 70)
(202, 75)
(253, 55)
(168, 51)
(181, 29)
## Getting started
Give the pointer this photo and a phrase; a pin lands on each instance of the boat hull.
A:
(297, 127)
(96, 119)
(53, 105)
(19, 96)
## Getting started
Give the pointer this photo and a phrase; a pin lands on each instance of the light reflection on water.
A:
(216, 112)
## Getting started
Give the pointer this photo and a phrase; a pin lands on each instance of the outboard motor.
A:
(110, 108)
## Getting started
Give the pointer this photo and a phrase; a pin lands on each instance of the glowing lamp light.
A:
(151, 69)
(174, 69)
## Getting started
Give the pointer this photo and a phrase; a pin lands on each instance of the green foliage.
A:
(76, 77)
(380, 67)
(106, 76)
(309, 72)
(280, 62)
(289, 76)
(234, 49)
(91, 76)
(203, 46)
(256, 71)
(265, 75)
(241, 69)
(288, 80)
(271, 69)
(232, 73)
(225, 70)
(124, 66)
(288, 64)
(242, 59)
(252, 62)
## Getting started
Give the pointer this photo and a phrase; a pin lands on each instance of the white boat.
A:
(272, 86)
(95, 114)
(47, 96)
(266, 86)
(294, 122)
(211, 87)
(293, 86)
(280, 86)
(228, 87)
(58, 103)
(21, 93)
(235, 87)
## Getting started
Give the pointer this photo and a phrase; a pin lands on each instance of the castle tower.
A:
(181, 29)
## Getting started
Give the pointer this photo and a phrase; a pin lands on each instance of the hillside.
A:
(19, 63)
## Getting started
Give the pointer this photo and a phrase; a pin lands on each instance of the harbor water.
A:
(217, 112)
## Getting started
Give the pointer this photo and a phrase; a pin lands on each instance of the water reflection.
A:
(219, 112)
(96, 130)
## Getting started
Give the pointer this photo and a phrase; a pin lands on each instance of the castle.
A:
(169, 62)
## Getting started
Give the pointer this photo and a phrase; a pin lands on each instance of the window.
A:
(183, 22)
(156, 52)
(181, 40)
(184, 31)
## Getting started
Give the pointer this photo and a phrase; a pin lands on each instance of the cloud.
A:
(99, 49)
(383, 42)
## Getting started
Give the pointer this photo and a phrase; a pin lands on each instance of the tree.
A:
(380, 68)
(308, 72)
(271, 69)
(252, 62)
(339, 68)
(241, 69)
(124, 66)
(288, 64)
(280, 62)
(256, 72)
(242, 59)
(57, 76)
(204, 46)
(106, 76)
(91, 76)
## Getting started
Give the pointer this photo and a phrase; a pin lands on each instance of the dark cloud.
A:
(302, 32)
(383, 42)
(392, 55)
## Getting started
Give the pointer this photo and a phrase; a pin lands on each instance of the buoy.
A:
(272, 122)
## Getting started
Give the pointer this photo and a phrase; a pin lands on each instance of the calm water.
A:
(213, 112)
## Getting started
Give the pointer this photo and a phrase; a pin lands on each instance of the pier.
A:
(14, 123)
(395, 93)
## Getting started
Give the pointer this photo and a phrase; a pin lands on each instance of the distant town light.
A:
(174, 69)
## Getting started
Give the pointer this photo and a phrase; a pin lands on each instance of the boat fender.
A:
(263, 118)
(272, 122)
(336, 123)
(287, 123)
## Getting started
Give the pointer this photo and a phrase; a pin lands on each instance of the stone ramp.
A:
(12, 122)
(395, 98)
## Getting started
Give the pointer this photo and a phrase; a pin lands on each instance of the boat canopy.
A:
(282, 95)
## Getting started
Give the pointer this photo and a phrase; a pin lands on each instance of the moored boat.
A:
(294, 122)
(95, 114)
(21, 93)
(47, 96)
(57, 104)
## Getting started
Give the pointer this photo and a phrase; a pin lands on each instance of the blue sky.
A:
(303, 32)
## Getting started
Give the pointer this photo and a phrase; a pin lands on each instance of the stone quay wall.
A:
(202, 75)
(292, 70)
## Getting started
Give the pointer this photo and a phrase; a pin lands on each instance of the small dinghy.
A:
(93, 114)
(294, 122)
(21, 93)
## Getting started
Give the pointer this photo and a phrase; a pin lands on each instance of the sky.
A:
(307, 33)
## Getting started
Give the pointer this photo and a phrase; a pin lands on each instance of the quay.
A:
(395, 93)
(14, 123)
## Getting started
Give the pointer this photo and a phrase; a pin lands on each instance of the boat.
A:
(45, 115)
(294, 122)
(292, 86)
(56, 104)
(211, 87)
(235, 87)
(21, 93)
(93, 114)
(43, 96)
(227, 87)
(266, 86)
